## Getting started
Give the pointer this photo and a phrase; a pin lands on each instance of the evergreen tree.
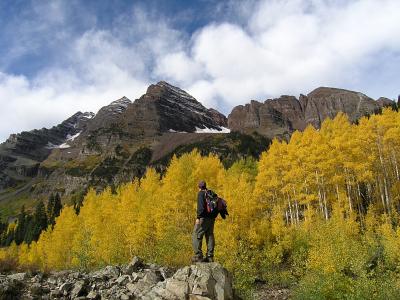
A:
(3, 227)
(50, 207)
(21, 227)
(57, 206)
(53, 208)
(29, 231)
(77, 201)
(9, 235)
(40, 221)
(395, 106)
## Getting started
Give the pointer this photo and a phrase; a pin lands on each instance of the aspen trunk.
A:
(382, 195)
(287, 218)
(348, 187)
(319, 193)
(290, 211)
(296, 205)
(385, 188)
(324, 197)
(396, 169)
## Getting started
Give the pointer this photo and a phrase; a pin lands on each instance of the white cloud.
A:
(267, 48)
(291, 47)
(95, 68)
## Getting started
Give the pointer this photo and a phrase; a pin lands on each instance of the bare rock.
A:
(93, 295)
(55, 294)
(135, 264)
(79, 289)
(107, 273)
(282, 116)
(123, 279)
(11, 289)
(66, 287)
(37, 290)
(201, 281)
(178, 288)
(197, 297)
(17, 276)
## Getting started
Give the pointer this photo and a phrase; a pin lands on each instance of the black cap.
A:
(202, 185)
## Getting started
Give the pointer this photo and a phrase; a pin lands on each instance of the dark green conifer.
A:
(20, 231)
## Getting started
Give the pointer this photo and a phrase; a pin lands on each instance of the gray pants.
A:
(206, 227)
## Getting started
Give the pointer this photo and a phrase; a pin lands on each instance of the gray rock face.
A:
(200, 281)
(109, 114)
(280, 117)
(21, 154)
(79, 289)
(276, 117)
(167, 108)
(17, 276)
(325, 103)
(205, 280)
(135, 264)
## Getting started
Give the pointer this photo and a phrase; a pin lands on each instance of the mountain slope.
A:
(22, 153)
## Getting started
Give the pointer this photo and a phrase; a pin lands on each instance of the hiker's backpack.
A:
(215, 204)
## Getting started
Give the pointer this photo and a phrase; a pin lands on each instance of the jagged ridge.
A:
(281, 116)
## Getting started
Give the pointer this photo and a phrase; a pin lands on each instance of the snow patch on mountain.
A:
(117, 106)
(64, 145)
(88, 115)
(72, 137)
(212, 130)
(174, 131)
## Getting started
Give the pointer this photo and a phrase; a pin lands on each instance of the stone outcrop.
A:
(325, 103)
(202, 281)
(281, 116)
(166, 108)
(21, 154)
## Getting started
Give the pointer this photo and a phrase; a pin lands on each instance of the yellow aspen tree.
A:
(55, 244)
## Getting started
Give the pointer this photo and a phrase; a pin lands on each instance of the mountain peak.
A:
(324, 91)
(175, 110)
(116, 107)
(124, 101)
(164, 87)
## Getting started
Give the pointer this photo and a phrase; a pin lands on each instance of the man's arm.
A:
(200, 205)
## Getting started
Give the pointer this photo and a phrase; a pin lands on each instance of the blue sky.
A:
(61, 56)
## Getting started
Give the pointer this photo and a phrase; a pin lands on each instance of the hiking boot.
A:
(208, 259)
(197, 258)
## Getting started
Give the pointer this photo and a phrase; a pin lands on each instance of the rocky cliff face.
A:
(274, 117)
(325, 103)
(137, 280)
(165, 108)
(22, 153)
(280, 117)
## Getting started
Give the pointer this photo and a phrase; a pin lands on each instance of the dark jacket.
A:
(201, 205)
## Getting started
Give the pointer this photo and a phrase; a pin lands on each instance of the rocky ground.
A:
(267, 293)
(136, 280)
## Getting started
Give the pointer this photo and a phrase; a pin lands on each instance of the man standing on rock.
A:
(204, 227)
